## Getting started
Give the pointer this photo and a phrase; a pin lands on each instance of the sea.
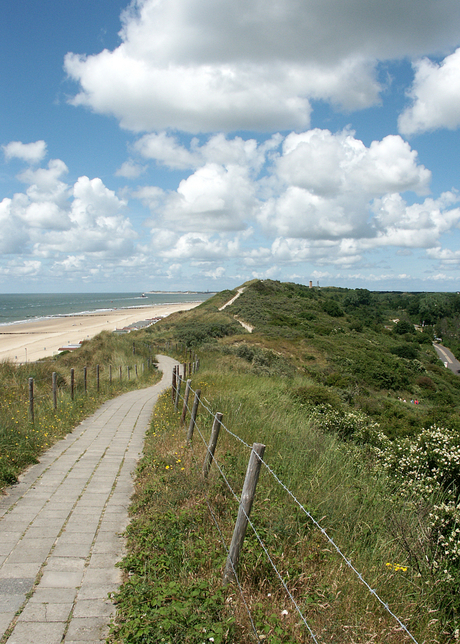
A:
(26, 307)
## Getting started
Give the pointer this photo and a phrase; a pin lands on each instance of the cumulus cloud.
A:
(52, 218)
(448, 258)
(311, 196)
(435, 96)
(329, 180)
(18, 268)
(29, 152)
(207, 65)
(418, 225)
(130, 170)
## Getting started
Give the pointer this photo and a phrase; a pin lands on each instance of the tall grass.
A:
(21, 440)
(338, 483)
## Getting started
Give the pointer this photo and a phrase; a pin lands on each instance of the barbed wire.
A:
(316, 523)
(224, 427)
(222, 539)
(215, 461)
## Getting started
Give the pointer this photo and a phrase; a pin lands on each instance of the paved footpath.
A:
(61, 525)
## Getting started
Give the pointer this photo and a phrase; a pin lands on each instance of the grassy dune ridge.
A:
(326, 381)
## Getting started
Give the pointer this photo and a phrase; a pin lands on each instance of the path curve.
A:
(61, 525)
(450, 361)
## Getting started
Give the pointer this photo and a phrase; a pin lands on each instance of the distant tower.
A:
(317, 283)
(311, 284)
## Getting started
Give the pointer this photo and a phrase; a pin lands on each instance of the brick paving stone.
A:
(61, 525)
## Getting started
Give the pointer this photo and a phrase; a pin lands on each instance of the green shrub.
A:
(407, 351)
(193, 334)
(316, 395)
(332, 308)
(404, 326)
(426, 383)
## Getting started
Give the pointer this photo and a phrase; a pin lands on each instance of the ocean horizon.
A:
(26, 307)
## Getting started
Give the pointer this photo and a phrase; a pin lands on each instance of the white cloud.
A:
(202, 247)
(29, 152)
(447, 257)
(166, 150)
(130, 170)
(18, 268)
(215, 273)
(14, 237)
(416, 225)
(313, 196)
(212, 199)
(328, 181)
(211, 65)
(52, 218)
(436, 96)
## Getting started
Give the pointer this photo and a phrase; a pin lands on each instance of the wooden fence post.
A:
(72, 383)
(191, 427)
(54, 380)
(212, 443)
(127, 371)
(110, 373)
(85, 379)
(173, 390)
(135, 369)
(97, 377)
(178, 386)
(186, 395)
(31, 400)
(120, 374)
(247, 497)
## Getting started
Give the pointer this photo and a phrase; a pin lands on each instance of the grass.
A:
(21, 440)
(323, 382)
(172, 539)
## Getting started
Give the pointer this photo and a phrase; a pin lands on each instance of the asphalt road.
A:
(450, 361)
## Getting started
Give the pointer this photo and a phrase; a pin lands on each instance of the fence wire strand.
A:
(256, 534)
(305, 511)
(216, 523)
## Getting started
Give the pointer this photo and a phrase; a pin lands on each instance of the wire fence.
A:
(51, 390)
(198, 404)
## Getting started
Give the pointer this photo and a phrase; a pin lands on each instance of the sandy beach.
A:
(30, 341)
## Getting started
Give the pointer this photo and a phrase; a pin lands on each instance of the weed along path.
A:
(60, 526)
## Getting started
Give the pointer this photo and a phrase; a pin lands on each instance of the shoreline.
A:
(28, 341)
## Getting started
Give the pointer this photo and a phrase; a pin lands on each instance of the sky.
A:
(198, 144)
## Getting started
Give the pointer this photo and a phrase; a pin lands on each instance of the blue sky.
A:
(200, 143)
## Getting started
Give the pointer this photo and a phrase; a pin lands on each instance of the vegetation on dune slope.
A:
(326, 381)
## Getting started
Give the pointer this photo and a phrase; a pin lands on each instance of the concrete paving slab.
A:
(94, 608)
(86, 629)
(76, 550)
(34, 632)
(60, 526)
(45, 612)
(11, 603)
(21, 570)
(57, 579)
(5, 620)
(66, 564)
(53, 596)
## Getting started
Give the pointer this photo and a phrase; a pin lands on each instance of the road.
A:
(450, 361)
